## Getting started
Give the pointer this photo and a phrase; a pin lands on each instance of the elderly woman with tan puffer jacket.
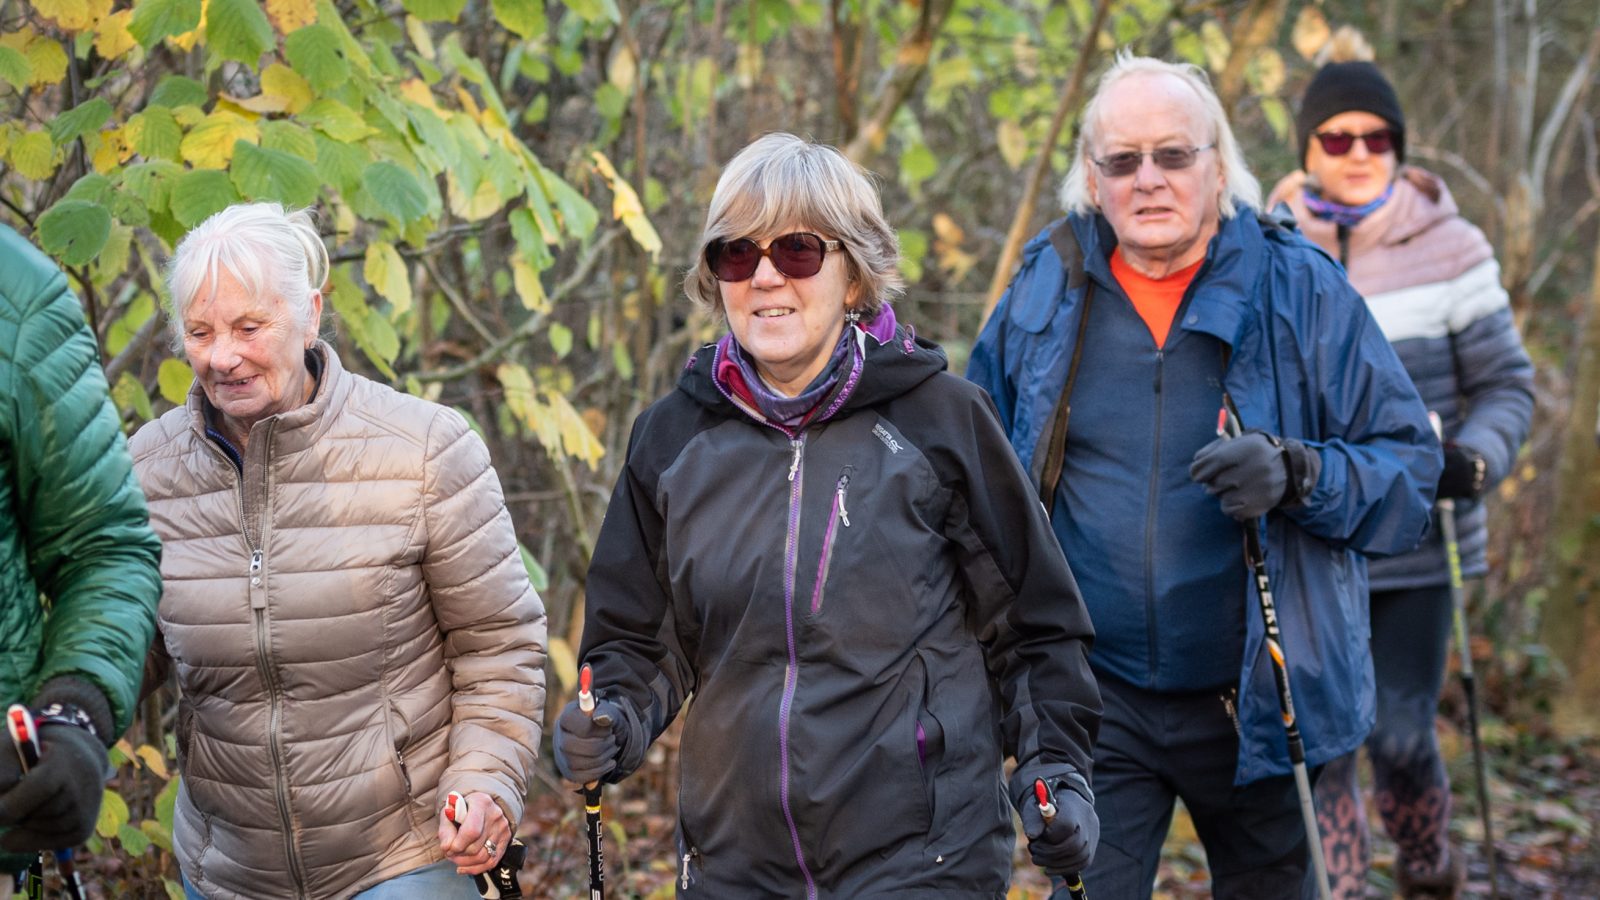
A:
(346, 608)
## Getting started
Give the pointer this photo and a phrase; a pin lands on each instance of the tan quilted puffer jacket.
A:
(353, 632)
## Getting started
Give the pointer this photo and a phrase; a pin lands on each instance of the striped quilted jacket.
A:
(1430, 279)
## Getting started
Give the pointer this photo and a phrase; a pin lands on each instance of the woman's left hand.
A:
(477, 843)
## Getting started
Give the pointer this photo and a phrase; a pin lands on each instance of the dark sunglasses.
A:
(797, 255)
(1338, 143)
(1118, 165)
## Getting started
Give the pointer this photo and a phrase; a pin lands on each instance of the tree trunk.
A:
(1571, 616)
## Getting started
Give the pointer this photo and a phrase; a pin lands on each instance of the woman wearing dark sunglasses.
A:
(825, 537)
(1430, 279)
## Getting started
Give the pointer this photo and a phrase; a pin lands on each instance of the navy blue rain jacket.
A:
(1307, 362)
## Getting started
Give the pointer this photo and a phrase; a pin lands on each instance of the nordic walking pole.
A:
(25, 737)
(1228, 427)
(1047, 809)
(591, 796)
(1469, 682)
(500, 882)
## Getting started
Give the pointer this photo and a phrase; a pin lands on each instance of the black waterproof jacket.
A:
(870, 614)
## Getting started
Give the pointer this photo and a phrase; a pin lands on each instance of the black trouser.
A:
(1155, 748)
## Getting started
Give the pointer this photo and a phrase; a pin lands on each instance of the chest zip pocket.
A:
(838, 516)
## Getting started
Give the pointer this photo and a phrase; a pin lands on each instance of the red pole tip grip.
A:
(1222, 420)
(1041, 792)
(455, 807)
(585, 679)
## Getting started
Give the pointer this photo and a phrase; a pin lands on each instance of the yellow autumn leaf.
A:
(281, 82)
(530, 290)
(1013, 143)
(626, 208)
(484, 202)
(946, 229)
(153, 760)
(468, 104)
(420, 38)
(8, 133)
(417, 91)
(209, 145)
(48, 60)
(1310, 31)
(576, 439)
(288, 15)
(260, 104)
(73, 15)
(33, 156)
(114, 150)
(125, 747)
(563, 661)
(517, 384)
(385, 270)
(112, 38)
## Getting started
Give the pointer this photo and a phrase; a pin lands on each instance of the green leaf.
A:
(133, 840)
(316, 52)
(262, 174)
(579, 214)
(336, 120)
(74, 230)
(167, 800)
(157, 19)
(199, 193)
(174, 378)
(536, 573)
(524, 17)
(94, 188)
(1277, 113)
(290, 138)
(622, 360)
(85, 118)
(130, 394)
(609, 101)
(33, 156)
(371, 332)
(124, 328)
(14, 68)
(113, 814)
(175, 889)
(560, 339)
(176, 90)
(917, 164)
(385, 271)
(341, 164)
(435, 10)
(159, 834)
(156, 134)
(595, 10)
(396, 191)
(238, 30)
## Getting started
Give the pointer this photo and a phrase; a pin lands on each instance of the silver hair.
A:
(1239, 186)
(268, 249)
(782, 181)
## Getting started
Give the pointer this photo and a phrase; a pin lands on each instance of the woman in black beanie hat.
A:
(1431, 282)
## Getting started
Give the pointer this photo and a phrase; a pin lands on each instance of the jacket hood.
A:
(896, 360)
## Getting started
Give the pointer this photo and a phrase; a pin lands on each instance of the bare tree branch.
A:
(1041, 162)
(910, 63)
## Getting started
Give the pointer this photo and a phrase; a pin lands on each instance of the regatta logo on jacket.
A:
(887, 438)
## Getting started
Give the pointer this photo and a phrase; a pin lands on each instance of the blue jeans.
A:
(438, 880)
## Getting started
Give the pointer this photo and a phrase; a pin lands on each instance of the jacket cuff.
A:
(77, 692)
(1304, 466)
(634, 740)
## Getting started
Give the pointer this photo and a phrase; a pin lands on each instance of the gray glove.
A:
(1068, 842)
(55, 805)
(1256, 472)
(606, 746)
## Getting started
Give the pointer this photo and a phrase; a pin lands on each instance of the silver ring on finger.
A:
(489, 846)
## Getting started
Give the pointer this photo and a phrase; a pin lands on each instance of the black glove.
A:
(590, 748)
(1256, 472)
(1066, 844)
(1464, 474)
(56, 804)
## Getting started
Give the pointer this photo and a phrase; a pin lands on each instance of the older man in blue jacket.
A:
(1164, 296)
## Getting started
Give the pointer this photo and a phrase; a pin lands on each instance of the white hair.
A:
(266, 248)
(780, 180)
(1238, 185)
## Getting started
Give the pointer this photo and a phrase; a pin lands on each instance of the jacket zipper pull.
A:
(255, 568)
(794, 466)
(844, 514)
(684, 883)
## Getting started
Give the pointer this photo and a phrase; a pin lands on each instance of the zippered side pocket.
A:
(838, 516)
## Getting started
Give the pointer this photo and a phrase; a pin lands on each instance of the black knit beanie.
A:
(1345, 87)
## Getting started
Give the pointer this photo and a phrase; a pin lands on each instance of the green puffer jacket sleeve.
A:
(73, 525)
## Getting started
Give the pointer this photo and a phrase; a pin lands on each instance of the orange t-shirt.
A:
(1156, 299)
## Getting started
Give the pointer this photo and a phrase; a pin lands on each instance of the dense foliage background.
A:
(510, 189)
